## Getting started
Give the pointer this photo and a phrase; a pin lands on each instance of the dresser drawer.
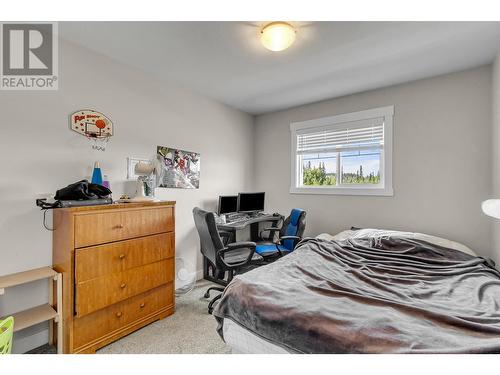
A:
(104, 227)
(101, 292)
(97, 261)
(112, 318)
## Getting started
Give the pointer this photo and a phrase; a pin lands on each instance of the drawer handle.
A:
(122, 256)
(142, 305)
(119, 314)
(119, 226)
(123, 285)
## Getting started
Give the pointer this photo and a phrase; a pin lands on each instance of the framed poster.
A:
(181, 168)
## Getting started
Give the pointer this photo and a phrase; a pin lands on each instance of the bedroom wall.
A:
(39, 154)
(495, 170)
(441, 161)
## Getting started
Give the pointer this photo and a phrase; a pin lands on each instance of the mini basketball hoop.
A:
(95, 126)
(98, 143)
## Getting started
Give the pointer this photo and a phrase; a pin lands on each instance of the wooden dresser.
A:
(118, 265)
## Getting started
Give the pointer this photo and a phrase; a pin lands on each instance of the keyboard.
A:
(260, 214)
(239, 217)
(236, 218)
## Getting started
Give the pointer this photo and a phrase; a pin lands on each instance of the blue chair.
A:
(290, 233)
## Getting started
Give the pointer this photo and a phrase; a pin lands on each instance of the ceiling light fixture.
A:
(277, 36)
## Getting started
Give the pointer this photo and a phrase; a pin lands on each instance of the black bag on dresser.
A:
(82, 190)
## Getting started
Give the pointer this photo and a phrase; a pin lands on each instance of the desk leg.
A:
(254, 232)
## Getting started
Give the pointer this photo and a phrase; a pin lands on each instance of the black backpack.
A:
(82, 190)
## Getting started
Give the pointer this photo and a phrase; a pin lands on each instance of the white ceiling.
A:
(225, 60)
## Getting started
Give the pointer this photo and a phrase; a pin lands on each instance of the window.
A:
(347, 154)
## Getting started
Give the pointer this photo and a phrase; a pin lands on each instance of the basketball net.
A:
(98, 143)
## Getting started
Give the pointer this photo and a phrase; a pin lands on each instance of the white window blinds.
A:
(356, 135)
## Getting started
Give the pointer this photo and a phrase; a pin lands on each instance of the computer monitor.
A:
(227, 204)
(251, 202)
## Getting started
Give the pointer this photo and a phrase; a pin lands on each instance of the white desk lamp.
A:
(491, 207)
(149, 174)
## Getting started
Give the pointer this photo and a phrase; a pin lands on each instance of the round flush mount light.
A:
(491, 207)
(277, 36)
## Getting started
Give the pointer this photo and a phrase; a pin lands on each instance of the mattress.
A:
(242, 341)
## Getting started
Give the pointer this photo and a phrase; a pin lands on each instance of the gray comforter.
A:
(385, 295)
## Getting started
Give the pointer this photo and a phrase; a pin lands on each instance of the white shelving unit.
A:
(51, 311)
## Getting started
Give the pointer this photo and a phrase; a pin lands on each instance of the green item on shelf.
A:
(6, 331)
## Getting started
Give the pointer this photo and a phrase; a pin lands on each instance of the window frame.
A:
(338, 121)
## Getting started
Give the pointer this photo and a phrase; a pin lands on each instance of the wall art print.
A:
(181, 168)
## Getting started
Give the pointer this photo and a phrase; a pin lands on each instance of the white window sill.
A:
(371, 191)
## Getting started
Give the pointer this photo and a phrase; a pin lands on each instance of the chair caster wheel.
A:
(207, 295)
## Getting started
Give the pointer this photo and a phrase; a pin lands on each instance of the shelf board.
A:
(26, 277)
(35, 315)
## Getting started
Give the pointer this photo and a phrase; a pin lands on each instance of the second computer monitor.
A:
(251, 202)
(228, 204)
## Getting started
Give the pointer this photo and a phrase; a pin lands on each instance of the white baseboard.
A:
(199, 275)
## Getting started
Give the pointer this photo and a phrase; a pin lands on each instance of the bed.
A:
(366, 291)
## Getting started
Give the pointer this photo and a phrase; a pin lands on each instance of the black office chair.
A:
(290, 233)
(233, 258)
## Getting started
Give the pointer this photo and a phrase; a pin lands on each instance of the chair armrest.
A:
(241, 245)
(235, 246)
(272, 229)
(226, 236)
(290, 238)
(295, 238)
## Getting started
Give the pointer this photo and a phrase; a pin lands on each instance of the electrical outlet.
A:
(131, 163)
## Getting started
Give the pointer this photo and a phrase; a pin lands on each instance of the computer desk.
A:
(253, 222)
(233, 227)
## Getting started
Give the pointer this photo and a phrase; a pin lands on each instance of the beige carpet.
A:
(189, 330)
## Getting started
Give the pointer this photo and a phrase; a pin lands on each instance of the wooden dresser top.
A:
(115, 206)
